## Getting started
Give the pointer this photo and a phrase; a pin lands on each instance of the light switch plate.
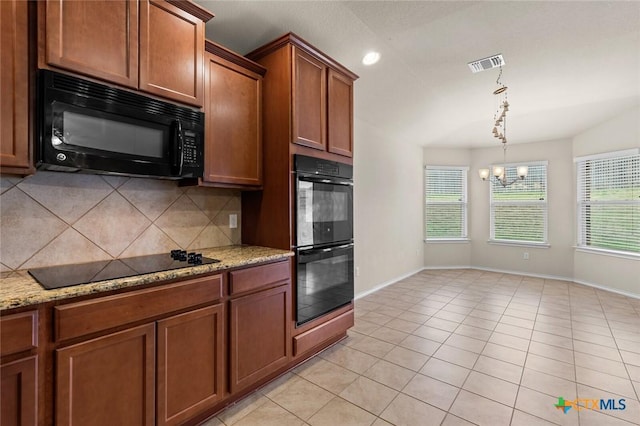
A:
(233, 221)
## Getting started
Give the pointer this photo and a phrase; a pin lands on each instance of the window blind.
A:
(445, 202)
(519, 211)
(609, 202)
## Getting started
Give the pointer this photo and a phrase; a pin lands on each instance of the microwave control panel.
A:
(190, 148)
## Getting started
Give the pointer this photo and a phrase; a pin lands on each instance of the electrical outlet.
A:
(233, 221)
(357, 271)
(525, 255)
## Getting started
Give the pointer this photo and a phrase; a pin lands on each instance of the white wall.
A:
(440, 254)
(387, 208)
(557, 260)
(622, 132)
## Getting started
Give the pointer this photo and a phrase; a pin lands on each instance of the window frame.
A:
(580, 190)
(464, 203)
(545, 203)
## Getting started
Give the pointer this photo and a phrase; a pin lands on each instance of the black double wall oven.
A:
(324, 236)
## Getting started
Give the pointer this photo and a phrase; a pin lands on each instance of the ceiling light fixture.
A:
(500, 132)
(371, 58)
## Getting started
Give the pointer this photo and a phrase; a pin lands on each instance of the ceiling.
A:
(570, 65)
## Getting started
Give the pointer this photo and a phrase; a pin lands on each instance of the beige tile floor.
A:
(462, 347)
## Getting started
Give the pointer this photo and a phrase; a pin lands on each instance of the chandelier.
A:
(500, 133)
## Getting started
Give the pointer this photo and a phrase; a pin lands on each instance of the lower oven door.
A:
(324, 280)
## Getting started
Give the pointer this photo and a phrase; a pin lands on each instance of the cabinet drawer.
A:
(79, 319)
(18, 332)
(258, 277)
(322, 333)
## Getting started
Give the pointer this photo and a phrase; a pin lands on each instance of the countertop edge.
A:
(20, 290)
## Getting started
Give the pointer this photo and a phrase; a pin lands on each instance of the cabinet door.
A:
(309, 95)
(233, 148)
(14, 84)
(190, 364)
(171, 52)
(19, 397)
(108, 381)
(340, 114)
(97, 38)
(260, 335)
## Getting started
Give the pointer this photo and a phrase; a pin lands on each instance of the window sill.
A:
(519, 244)
(611, 253)
(447, 240)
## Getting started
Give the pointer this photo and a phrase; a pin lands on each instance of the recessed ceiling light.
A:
(371, 58)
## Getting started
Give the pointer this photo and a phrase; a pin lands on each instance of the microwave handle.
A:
(178, 149)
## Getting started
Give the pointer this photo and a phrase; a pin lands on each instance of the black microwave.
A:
(90, 127)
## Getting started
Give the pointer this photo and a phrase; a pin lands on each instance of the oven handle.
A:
(318, 179)
(311, 250)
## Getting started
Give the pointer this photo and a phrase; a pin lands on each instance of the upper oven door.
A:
(324, 210)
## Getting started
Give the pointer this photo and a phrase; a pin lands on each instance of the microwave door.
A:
(102, 141)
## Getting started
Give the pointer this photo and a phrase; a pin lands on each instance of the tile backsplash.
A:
(60, 218)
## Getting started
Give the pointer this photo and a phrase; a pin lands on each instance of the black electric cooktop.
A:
(83, 273)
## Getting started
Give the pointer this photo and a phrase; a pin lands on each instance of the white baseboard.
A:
(504, 271)
(605, 288)
(386, 283)
(428, 268)
(526, 274)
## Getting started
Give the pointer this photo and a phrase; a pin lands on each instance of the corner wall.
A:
(556, 260)
(387, 208)
(623, 274)
(561, 259)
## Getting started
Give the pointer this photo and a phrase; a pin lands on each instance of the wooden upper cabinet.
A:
(309, 97)
(14, 87)
(340, 114)
(96, 38)
(153, 45)
(233, 119)
(171, 52)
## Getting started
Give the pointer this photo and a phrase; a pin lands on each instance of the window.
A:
(609, 201)
(445, 191)
(519, 211)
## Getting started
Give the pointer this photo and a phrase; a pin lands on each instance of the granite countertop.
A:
(19, 289)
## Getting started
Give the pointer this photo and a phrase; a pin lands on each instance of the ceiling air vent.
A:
(486, 63)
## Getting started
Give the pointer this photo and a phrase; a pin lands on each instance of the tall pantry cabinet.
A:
(307, 109)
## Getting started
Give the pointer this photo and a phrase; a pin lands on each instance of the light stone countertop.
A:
(19, 289)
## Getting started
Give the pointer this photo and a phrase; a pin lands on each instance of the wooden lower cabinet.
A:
(260, 335)
(19, 392)
(108, 381)
(190, 364)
